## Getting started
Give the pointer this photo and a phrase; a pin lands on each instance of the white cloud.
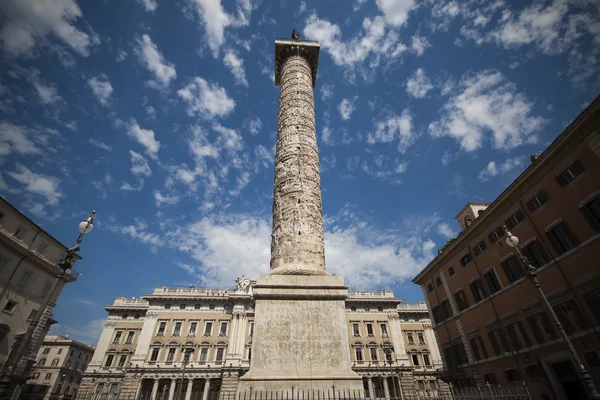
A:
(395, 127)
(149, 5)
(215, 19)
(384, 168)
(27, 24)
(346, 108)
(139, 164)
(88, 333)
(255, 125)
(154, 61)
(47, 94)
(43, 185)
(418, 84)
(16, 139)
(206, 100)
(445, 230)
(164, 199)
(419, 44)
(302, 7)
(100, 144)
(121, 55)
(235, 64)
(150, 112)
(139, 232)
(494, 169)
(396, 11)
(102, 88)
(145, 137)
(326, 91)
(488, 104)
(127, 187)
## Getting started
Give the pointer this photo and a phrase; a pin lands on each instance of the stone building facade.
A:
(488, 318)
(142, 351)
(57, 372)
(28, 257)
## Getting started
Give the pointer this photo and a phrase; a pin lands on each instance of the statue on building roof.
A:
(295, 35)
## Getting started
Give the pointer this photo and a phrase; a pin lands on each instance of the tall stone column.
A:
(206, 389)
(371, 387)
(297, 246)
(172, 388)
(188, 392)
(386, 389)
(154, 389)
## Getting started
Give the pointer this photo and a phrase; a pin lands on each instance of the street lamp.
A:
(187, 351)
(65, 263)
(387, 349)
(530, 272)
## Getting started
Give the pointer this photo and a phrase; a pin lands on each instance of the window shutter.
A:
(530, 205)
(562, 181)
(509, 223)
(570, 234)
(590, 217)
(491, 238)
(494, 343)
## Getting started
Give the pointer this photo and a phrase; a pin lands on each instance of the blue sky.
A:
(161, 115)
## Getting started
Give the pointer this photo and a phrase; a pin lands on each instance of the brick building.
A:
(488, 318)
(141, 350)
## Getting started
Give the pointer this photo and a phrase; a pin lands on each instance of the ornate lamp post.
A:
(16, 357)
(531, 274)
(387, 349)
(187, 351)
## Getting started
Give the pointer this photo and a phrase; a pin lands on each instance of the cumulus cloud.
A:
(494, 169)
(235, 64)
(27, 24)
(44, 186)
(255, 125)
(15, 139)
(164, 199)
(488, 105)
(396, 11)
(418, 84)
(419, 44)
(145, 137)
(445, 230)
(215, 20)
(139, 164)
(206, 100)
(396, 127)
(47, 94)
(346, 108)
(149, 5)
(101, 88)
(326, 91)
(154, 61)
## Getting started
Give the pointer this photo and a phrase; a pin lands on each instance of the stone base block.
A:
(300, 335)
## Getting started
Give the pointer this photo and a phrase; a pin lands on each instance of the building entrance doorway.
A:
(569, 380)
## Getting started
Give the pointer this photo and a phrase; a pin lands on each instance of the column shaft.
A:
(188, 392)
(371, 388)
(386, 389)
(154, 389)
(172, 388)
(206, 388)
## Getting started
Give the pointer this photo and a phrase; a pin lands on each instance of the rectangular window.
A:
(478, 347)
(193, 327)
(512, 269)
(167, 306)
(478, 290)
(171, 354)
(498, 342)
(177, 329)
(109, 360)
(569, 174)
(461, 300)
(182, 306)
(437, 314)
(541, 328)
(31, 317)
(517, 335)
(219, 354)
(370, 329)
(415, 359)
(537, 201)
(3, 262)
(117, 337)
(19, 233)
(113, 388)
(451, 271)
(591, 211)
(130, 336)
(438, 282)
(358, 353)
(535, 254)
(430, 288)
(162, 326)
(446, 309)
(25, 278)
(41, 248)
(426, 359)
(421, 337)
(514, 219)
(569, 315)
(100, 388)
(383, 330)
(48, 376)
(491, 279)
(562, 238)
(373, 353)
(466, 259)
(122, 361)
(411, 340)
(223, 330)
(54, 362)
(593, 300)
(490, 378)
(203, 354)
(496, 235)
(479, 248)
(355, 330)
(208, 329)
(251, 328)
(46, 289)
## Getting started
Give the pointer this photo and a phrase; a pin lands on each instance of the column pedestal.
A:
(301, 337)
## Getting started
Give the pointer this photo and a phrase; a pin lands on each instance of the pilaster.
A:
(103, 343)
(143, 344)
(397, 339)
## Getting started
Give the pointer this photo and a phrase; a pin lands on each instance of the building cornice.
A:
(572, 136)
